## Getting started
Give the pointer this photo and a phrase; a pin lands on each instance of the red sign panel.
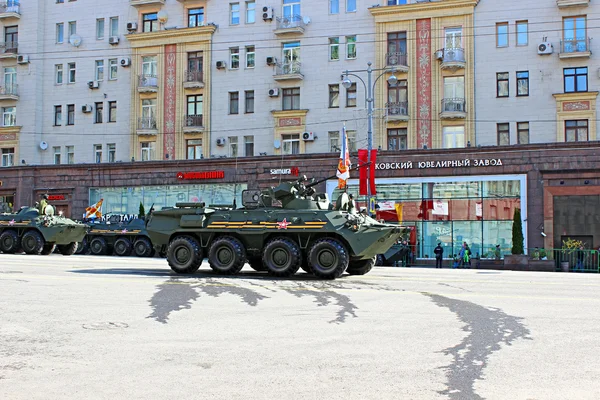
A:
(200, 175)
(56, 197)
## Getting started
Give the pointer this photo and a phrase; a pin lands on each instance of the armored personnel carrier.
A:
(278, 230)
(33, 233)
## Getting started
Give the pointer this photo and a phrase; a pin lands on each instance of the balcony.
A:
(10, 9)
(193, 79)
(288, 71)
(572, 3)
(137, 3)
(397, 111)
(287, 25)
(452, 58)
(453, 108)
(8, 49)
(397, 61)
(147, 126)
(9, 92)
(193, 124)
(147, 83)
(575, 48)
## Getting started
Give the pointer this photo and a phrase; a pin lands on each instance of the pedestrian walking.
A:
(439, 255)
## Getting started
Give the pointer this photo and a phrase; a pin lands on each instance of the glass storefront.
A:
(450, 210)
(126, 200)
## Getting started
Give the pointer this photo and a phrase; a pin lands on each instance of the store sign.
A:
(286, 171)
(488, 162)
(185, 176)
(56, 197)
(440, 208)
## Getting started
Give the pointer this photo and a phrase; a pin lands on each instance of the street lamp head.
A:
(392, 80)
(346, 83)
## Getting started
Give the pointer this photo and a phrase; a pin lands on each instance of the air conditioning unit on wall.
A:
(86, 108)
(132, 26)
(545, 48)
(274, 92)
(125, 61)
(308, 136)
(221, 64)
(221, 141)
(267, 13)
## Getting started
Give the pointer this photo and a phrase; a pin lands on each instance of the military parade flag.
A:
(343, 170)
(94, 211)
(366, 177)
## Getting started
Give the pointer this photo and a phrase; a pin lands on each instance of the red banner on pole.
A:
(362, 172)
(372, 172)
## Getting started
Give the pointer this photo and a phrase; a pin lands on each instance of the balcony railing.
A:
(454, 106)
(147, 83)
(9, 90)
(147, 124)
(290, 68)
(453, 54)
(193, 121)
(397, 109)
(194, 76)
(396, 59)
(571, 3)
(571, 47)
(10, 7)
(9, 47)
(295, 21)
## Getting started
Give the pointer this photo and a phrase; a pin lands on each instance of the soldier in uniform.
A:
(43, 204)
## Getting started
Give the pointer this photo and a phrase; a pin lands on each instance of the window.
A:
(99, 111)
(60, 33)
(70, 114)
(334, 141)
(56, 151)
(502, 84)
(522, 30)
(351, 47)
(503, 131)
(70, 154)
(11, 39)
(111, 149)
(453, 38)
(575, 79)
(248, 146)
(195, 17)
(398, 98)
(150, 22)
(97, 153)
(350, 5)
(195, 64)
(72, 70)
(194, 149)
(114, 26)
(523, 132)
(112, 111)
(250, 12)
(290, 144)
(396, 43)
(576, 130)
(60, 1)
(72, 28)
(249, 101)
(100, 28)
(334, 6)
(574, 35)
(454, 94)
(351, 141)
(522, 83)
(291, 8)
(57, 115)
(334, 48)
(8, 157)
(234, 11)
(234, 57)
(147, 151)
(113, 65)
(233, 146)
(250, 57)
(58, 73)
(397, 139)
(149, 66)
(234, 102)
(148, 114)
(334, 96)
(502, 34)
(99, 70)
(351, 95)
(195, 110)
(291, 99)
(9, 116)
(453, 137)
(10, 80)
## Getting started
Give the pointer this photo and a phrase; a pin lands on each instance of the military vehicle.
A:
(279, 230)
(398, 253)
(33, 233)
(122, 238)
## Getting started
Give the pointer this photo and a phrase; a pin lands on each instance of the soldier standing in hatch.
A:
(43, 204)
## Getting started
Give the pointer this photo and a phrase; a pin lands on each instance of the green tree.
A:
(517, 233)
(141, 212)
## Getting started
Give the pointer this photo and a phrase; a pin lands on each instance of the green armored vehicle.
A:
(279, 230)
(33, 233)
(121, 237)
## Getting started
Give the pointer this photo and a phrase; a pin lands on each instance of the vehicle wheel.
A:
(82, 247)
(98, 246)
(142, 247)
(9, 242)
(305, 265)
(184, 255)
(48, 249)
(380, 260)
(32, 242)
(227, 255)
(361, 267)
(328, 258)
(282, 257)
(68, 249)
(123, 247)
(257, 264)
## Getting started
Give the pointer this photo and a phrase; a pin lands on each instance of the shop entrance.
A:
(577, 217)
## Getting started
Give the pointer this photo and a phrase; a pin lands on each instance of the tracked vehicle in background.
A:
(279, 230)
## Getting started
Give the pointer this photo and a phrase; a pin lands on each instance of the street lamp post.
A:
(369, 89)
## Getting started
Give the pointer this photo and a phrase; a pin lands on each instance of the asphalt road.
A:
(85, 327)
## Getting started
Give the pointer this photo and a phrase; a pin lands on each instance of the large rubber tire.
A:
(227, 255)
(68, 249)
(98, 246)
(123, 247)
(143, 247)
(328, 258)
(83, 247)
(256, 263)
(305, 265)
(184, 255)
(9, 242)
(361, 267)
(282, 257)
(48, 249)
(32, 242)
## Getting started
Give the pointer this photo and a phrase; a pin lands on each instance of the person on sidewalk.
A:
(439, 255)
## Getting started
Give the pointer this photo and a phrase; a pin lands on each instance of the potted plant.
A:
(517, 259)
(569, 247)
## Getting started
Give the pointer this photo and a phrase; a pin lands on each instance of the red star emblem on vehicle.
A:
(283, 224)
(124, 231)
(11, 222)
